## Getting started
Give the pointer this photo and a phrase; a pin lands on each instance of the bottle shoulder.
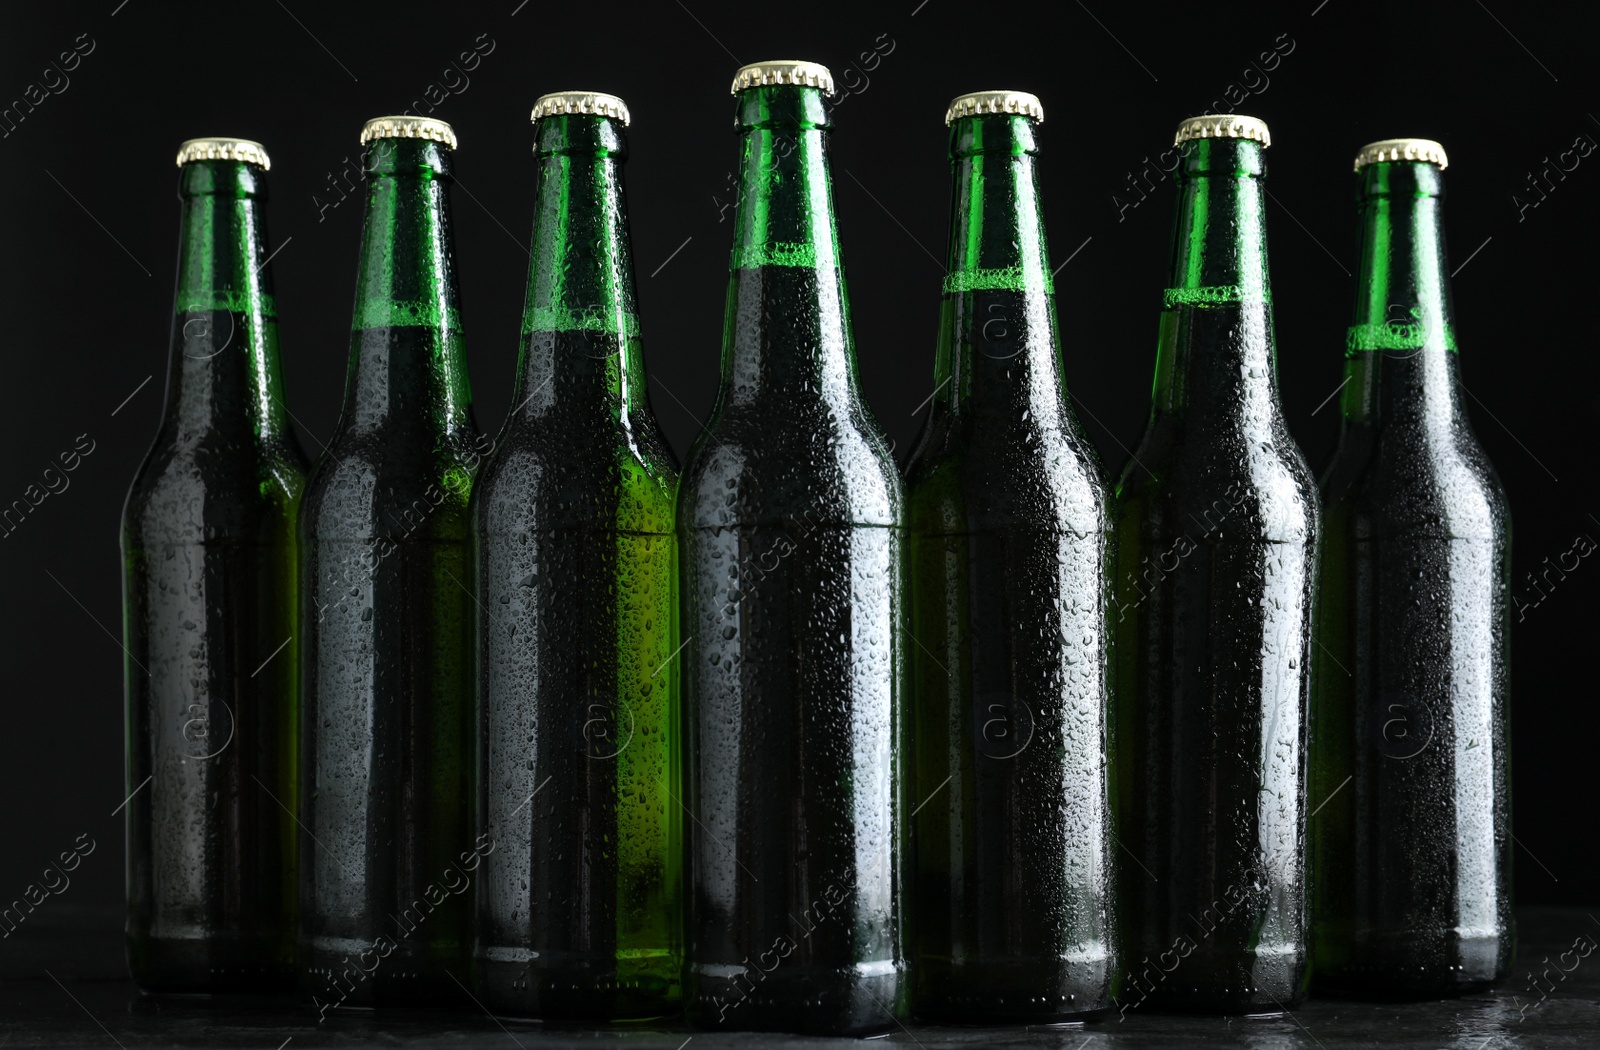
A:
(586, 440)
(1380, 484)
(218, 486)
(748, 467)
(1034, 477)
(1250, 486)
(402, 447)
(543, 476)
(364, 486)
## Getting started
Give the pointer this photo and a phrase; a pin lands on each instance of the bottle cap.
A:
(224, 149)
(783, 71)
(975, 103)
(1425, 150)
(588, 103)
(408, 128)
(1223, 126)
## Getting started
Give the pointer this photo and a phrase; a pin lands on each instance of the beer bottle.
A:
(789, 517)
(576, 568)
(1216, 534)
(208, 552)
(386, 615)
(1008, 556)
(1410, 764)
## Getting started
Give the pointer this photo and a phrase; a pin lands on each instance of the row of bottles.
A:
(785, 736)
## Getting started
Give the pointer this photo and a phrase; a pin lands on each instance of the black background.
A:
(88, 221)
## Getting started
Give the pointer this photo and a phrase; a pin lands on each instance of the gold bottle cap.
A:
(783, 71)
(1223, 126)
(408, 128)
(587, 103)
(217, 148)
(975, 103)
(1425, 150)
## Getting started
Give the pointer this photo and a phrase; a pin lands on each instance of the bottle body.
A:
(789, 711)
(208, 554)
(1216, 531)
(386, 852)
(789, 523)
(576, 562)
(1009, 552)
(1412, 858)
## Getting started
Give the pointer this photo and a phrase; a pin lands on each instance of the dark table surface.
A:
(63, 983)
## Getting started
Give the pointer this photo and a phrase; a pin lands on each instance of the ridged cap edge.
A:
(1223, 126)
(974, 103)
(587, 103)
(408, 128)
(783, 71)
(218, 148)
(1425, 150)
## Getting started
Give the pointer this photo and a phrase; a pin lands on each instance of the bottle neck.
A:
(223, 374)
(1401, 346)
(580, 324)
(408, 357)
(998, 330)
(1215, 355)
(787, 329)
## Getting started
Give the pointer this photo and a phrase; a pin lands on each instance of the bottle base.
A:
(1217, 981)
(198, 967)
(851, 1001)
(1409, 966)
(343, 973)
(1410, 979)
(1012, 991)
(576, 993)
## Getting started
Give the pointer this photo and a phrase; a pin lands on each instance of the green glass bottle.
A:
(1216, 538)
(1411, 763)
(576, 567)
(208, 552)
(386, 614)
(789, 521)
(1009, 554)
